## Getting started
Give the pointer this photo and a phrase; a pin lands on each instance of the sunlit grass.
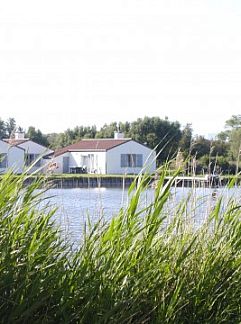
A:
(138, 268)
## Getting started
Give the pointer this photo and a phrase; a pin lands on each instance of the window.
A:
(3, 160)
(30, 158)
(131, 160)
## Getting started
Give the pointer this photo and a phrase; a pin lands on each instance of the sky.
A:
(75, 62)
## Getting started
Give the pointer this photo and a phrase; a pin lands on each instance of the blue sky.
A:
(67, 63)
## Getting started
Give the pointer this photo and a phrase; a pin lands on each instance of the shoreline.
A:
(118, 181)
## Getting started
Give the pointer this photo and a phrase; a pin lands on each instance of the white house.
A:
(11, 157)
(32, 151)
(105, 156)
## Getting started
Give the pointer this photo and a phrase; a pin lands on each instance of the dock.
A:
(113, 181)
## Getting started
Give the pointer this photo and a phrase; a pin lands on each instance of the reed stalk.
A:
(137, 268)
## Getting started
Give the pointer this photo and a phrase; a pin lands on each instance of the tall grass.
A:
(138, 268)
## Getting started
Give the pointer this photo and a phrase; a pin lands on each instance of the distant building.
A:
(105, 156)
(30, 152)
(11, 157)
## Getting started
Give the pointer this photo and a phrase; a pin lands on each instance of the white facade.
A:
(33, 152)
(132, 149)
(11, 157)
(128, 158)
(94, 162)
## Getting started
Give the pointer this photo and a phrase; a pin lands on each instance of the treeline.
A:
(167, 137)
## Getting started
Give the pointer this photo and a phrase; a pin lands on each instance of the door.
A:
(65, 164)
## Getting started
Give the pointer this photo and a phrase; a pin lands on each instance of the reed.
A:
(142, 267)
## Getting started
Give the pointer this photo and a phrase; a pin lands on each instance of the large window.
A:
(30, 158)
(131, 160)
(3, 160)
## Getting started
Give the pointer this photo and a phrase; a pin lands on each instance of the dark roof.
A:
(97, 145)
(15, 142)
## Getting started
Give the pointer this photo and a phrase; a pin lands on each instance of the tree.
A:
(223, 136)
(235, 143)
(107, 131)
(220, 148)
(200, 147)
(159, 134)
(185, 141)
(2, 129)
(233, 122)
(37, 136)
(10, 127)
(233, 137)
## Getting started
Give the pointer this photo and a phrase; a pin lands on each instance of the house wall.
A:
(34, 148)
(98, 163)
(131, 147)
(75, 160)
(31, 147)
(58, 162)
(15, 158)
(109, 162)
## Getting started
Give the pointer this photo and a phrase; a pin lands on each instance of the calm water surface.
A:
(75, 205)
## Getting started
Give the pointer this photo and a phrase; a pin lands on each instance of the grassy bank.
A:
(143, 267)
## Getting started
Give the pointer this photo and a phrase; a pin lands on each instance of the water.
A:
(75, 205)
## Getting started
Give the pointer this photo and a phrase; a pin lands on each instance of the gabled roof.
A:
(93, 145)
(10, 144)
(15, 142)
(19, 142)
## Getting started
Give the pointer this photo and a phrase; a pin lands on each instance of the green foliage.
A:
(235, 143)
(233, 122)
(2, 129)
(7, 127)
(159, 134)
(10, 126)
(220, 148)
(31, 251)
(71, 136)
(37, 136)
(212, 164)
(223, 136)
(186, 140)
(145, 266)
(200, 146)
(164, 136)
(107, 131)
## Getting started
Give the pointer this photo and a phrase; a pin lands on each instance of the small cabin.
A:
(117, 155)
(31, 151)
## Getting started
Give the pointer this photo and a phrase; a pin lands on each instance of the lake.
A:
(75, 205)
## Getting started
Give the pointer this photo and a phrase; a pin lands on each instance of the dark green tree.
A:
(10, 127)
(185, 141)
(200, 146)
(2, 129)
(37, 136)
(159, 134)
(107, 131)
(233, 122)
(235, 144)
(232, 136)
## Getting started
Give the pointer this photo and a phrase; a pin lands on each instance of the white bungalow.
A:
(32, 151)
(105, 156)
(11, 157)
